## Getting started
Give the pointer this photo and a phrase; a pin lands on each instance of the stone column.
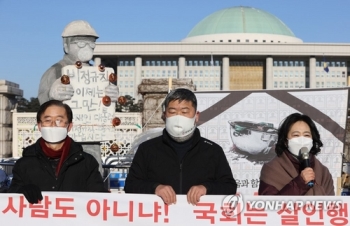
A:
(154, 92)
(182, 63)
(312, 73)
(8, 93)
(137, 78)
(269, 75)
(225, 83)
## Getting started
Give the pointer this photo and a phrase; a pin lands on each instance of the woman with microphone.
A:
(295, 170)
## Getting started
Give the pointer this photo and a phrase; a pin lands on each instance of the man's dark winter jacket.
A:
(156, 162)
(79, 172)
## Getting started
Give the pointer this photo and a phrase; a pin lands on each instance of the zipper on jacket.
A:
(180, 190)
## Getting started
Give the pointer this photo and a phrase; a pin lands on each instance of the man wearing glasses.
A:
(55, 162)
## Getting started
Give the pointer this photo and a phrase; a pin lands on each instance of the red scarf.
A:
(55, 154)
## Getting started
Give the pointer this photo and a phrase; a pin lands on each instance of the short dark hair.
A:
(180, 95)
(58, 103)
(286, 124)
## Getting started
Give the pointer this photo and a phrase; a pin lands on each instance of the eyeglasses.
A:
(57, 122)
(83, 44)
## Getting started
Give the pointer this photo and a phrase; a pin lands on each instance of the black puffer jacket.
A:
(156, 162)
(79, 172)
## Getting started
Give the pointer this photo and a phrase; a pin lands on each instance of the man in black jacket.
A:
(180, 161)
(55, 162)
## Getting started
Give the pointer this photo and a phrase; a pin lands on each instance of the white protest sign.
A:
(92, 117)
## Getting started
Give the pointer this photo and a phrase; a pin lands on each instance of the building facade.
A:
(238, 48)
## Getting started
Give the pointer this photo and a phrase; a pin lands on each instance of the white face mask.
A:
(180, 126)
(53, 134)
(296, 143)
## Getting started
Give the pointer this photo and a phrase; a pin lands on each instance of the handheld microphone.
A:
(305, 162)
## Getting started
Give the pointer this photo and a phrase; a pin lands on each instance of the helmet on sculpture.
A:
(79, 28)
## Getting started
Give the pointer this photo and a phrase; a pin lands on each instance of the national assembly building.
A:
(238, 48)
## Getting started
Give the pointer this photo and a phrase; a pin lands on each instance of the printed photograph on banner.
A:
(245, 124)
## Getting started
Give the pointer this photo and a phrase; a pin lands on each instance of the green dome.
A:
(240, 20)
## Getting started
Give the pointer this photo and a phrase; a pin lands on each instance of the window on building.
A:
(121, 63)
(275, 84)
(285, 84)
(247, 40)
(169, 63)
(317, 63)
(264, 40)
(201, 63)
(174, 63)
(275, 63)
(229, 40)
(291, 84)
(195, 63)
(255, 40)
(291, 63)
(301, 63)
(238, 40)
(281, 84)
(153, 63)
(147, 63)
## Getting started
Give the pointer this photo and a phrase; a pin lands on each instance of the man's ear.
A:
(39, 126)
(70, 126)
(163, 116)
(197, 116)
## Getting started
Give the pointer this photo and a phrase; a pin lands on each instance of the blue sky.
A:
(30, 40)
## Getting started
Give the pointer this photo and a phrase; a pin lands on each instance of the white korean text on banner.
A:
(133, 209)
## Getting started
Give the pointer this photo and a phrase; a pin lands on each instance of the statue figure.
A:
(78, 44)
